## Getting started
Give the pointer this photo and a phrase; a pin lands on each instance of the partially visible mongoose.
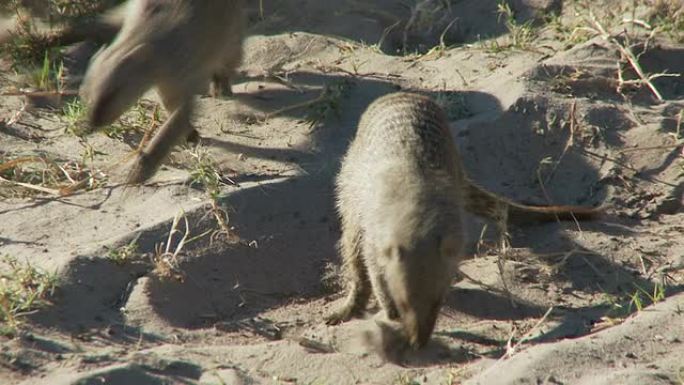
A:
(177, 46)
(401, 191)
(100, 29)
(400, 196)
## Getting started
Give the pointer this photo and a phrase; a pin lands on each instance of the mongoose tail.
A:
(496, 208)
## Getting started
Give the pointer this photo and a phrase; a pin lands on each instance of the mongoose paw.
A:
(193, 137)
(141, 170)
(341, 315)
(220, 87)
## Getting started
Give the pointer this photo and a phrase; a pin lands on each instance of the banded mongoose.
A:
(400, 196)
(401, 192)
(177, 46)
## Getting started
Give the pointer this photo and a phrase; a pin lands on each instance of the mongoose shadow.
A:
(292, 222)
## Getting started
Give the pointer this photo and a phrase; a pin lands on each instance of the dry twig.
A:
(631, 58)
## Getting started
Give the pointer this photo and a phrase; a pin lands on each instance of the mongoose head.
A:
(116, 78)
(418, 274)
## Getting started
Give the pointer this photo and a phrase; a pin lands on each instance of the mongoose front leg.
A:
(176, 128)
(358, 287)
(220, 86)
(382, 295)
(221, 79)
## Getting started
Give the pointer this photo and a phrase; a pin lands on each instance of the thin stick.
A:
(32, 187)
(296, 106)
(663, 147)
(511, 348)
(623, 165)
(41, 93)
(527, 335)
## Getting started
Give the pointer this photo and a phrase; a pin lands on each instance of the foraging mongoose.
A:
(177, 46)
(401, 192)
(400, 195)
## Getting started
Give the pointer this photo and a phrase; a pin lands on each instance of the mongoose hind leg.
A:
(358, 287)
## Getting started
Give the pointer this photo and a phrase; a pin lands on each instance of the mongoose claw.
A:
(336, 318)
(343, 314)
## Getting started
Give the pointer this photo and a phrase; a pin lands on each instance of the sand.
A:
(537, 125)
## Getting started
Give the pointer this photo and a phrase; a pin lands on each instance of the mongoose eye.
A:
(393, 253)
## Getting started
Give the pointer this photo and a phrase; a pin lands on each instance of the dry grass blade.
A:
(322, 106)
(165, 258)
(49, 178)
(206, 173)
(512, 348)
(32, 187)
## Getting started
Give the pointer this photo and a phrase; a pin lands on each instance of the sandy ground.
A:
(536, 125)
